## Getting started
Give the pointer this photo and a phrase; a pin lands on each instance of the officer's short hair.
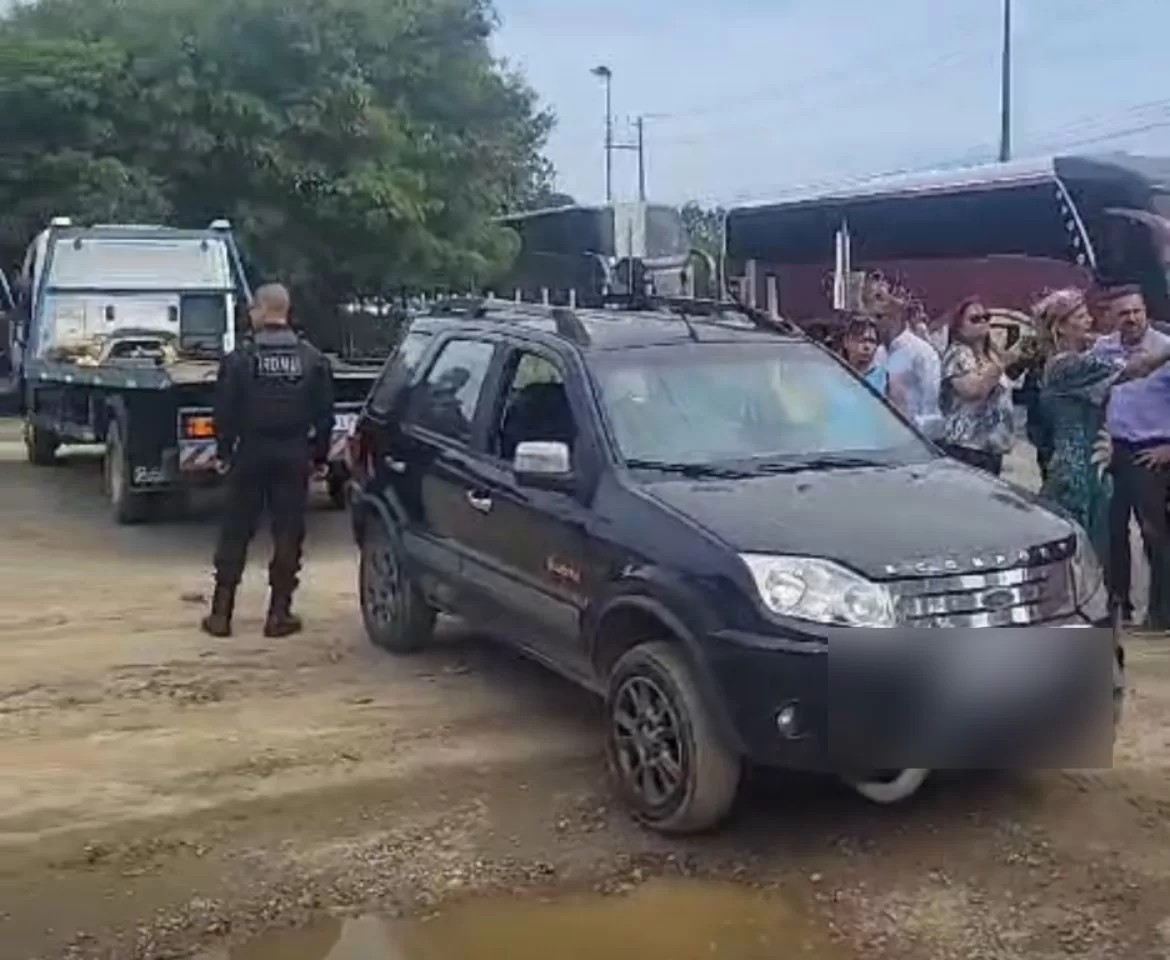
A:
(274, 298)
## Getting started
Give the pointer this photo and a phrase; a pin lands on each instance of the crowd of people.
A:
(1094, 382)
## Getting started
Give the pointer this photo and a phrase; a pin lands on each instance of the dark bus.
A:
(581, 253)
(1007, 232)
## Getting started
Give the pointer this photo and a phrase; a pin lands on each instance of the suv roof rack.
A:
(705, 308)
(568, 324)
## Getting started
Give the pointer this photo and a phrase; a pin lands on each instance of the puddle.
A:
(662, 920)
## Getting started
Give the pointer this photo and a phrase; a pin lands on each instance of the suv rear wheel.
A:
(671, 764)
(396, 615)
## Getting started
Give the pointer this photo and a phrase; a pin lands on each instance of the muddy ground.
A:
(162, 793)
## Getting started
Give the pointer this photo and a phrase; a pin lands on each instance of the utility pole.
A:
(641, 147)
(1005, 91)
(606, 75)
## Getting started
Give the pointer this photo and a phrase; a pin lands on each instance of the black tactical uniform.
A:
(273, 416)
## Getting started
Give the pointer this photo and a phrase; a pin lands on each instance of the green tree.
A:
(705, 227)
(357, 145)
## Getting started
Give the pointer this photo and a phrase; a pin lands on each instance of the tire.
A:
(127, 506)
(894, 787)
(41, 445)
(395, 613)
(654, 702)
(338, 497)
(1118, 688)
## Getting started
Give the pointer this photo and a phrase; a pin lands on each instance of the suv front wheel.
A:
(396, 615)
(670, 761)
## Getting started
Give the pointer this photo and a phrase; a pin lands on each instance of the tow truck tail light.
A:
(198, 427)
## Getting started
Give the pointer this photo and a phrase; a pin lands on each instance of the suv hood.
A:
(868, 519)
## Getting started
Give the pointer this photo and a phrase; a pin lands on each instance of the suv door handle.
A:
(479, 501)
(394, 466)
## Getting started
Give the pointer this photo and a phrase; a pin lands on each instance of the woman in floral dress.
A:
(1074, 390)
(975, 398)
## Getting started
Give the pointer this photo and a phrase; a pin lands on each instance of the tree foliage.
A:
(705, 227)
(357, 145)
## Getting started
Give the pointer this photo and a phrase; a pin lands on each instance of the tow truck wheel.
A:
(891, 786)
(335, 486)
(41, 445)
(396, 615)
(128, 507)
(672, 765)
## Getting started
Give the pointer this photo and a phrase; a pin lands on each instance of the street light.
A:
(606, 76)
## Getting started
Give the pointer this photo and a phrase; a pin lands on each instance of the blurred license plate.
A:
(996, 668)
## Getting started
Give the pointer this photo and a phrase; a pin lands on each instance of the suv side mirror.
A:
(546, 465)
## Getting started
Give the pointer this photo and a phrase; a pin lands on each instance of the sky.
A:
(750, 99)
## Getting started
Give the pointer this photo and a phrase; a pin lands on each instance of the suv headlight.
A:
(807, 588)
(1088, 577)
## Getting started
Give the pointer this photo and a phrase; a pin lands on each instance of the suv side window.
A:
(535, 406)
(446, 399)
(397, 373)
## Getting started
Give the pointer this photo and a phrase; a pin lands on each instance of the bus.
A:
(583, 254)
(1007, 232)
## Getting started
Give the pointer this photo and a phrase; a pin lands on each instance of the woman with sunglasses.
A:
(975, 398)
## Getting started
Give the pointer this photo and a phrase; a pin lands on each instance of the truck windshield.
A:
(140, 264)
(748, 406)
(666, 234)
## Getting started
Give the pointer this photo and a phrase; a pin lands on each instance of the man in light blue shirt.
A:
(914, 370)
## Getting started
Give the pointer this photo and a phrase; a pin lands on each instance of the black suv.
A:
(684, 509)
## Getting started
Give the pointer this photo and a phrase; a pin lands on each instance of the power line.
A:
(984, 152)
(920, 73)
(1118, 134)
(816, 84)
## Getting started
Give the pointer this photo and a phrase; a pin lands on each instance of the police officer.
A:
(273, 419)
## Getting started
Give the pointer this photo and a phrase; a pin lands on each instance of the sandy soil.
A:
(160, 792)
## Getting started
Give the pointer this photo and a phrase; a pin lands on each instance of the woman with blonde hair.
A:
(1074, 390)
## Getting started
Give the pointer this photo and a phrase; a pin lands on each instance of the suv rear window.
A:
(446, 399)
(745, 403)
(398, 371)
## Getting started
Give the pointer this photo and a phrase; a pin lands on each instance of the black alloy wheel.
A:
(650, 747)
(397, 617)
(666, 752)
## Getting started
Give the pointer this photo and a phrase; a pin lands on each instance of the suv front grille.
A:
(1002, 598)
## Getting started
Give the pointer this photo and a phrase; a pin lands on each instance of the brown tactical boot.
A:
(218, 623)
(281, 621)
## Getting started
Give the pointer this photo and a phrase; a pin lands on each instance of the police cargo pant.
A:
(275, 481)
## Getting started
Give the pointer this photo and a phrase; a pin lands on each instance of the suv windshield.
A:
(748, 406)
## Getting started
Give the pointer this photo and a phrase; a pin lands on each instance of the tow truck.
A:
(116, 341)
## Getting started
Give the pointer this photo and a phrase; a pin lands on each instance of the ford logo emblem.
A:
(999, 599)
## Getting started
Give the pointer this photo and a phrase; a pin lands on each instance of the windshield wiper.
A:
(822, 462)
(697, 471)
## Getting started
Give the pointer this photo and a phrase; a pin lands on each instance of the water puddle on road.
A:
(662, 920)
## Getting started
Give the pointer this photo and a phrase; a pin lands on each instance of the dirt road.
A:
(161, 793)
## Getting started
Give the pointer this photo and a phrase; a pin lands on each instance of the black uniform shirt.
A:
(274, 392)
